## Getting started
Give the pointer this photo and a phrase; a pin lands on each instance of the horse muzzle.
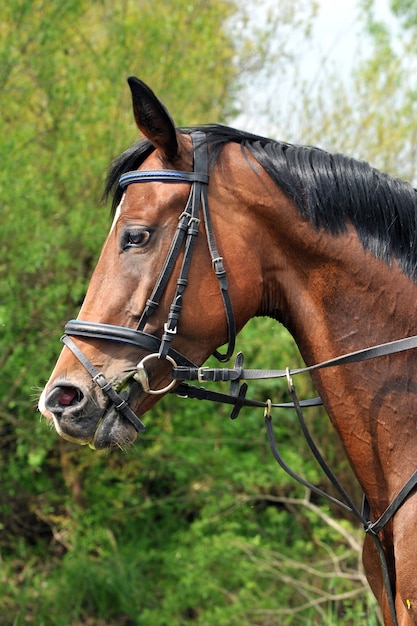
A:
(100, 415)
(88, 417)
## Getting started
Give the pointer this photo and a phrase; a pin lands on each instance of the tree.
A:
(196, 506)
(372, 113)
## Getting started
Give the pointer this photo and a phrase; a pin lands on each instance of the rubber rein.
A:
(184, 370)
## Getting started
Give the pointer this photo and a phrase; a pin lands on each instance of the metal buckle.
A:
(141, 375)
(288, 376)
(200, 374)
(169, 331)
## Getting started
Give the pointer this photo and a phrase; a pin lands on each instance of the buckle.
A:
(170, 331)
(200, 374)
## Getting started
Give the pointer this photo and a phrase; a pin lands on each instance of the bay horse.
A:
(213, 226)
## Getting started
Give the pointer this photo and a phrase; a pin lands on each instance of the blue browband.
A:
(143, 176)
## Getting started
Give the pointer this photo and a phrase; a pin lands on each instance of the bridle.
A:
(185, 370)
(184, 240)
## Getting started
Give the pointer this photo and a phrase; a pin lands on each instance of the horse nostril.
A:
(62, 398)
(69, 396)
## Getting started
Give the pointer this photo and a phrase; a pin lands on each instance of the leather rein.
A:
(184, 370)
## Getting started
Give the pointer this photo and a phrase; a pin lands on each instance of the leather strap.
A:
(119, 403)
(169, 263)
(196, 194)
(188, 223)
(390, 511)
(219, 270)
(346, 503)
(206, 374)
(95, 330)
(166, 176)
(200, 393)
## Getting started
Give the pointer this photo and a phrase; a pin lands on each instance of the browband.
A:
(173, 176)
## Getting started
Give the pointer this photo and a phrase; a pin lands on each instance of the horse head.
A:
(147, 303)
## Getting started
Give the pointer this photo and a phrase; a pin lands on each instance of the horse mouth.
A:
(100, 432)
(113, 431)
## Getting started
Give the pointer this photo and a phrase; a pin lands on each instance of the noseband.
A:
(184, 239)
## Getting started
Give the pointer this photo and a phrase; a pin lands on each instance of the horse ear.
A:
(152, 119)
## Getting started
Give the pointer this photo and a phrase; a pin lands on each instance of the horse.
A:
(213, 226)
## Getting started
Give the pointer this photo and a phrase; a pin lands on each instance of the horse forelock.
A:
(129, 160)
(331, 190)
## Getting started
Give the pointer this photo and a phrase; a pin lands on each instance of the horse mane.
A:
(331, 190)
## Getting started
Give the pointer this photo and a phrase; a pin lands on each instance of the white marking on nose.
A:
(117, 213)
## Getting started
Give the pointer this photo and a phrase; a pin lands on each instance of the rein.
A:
(184, 370)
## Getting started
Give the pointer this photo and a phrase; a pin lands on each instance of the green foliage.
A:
(65, 115)
(407, 10)
(196, 523)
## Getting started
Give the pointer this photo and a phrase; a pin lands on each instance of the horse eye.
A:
(136, 238)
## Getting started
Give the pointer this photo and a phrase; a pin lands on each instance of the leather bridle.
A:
(183, 369)
(184, 240)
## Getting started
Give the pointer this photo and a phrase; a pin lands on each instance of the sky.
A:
(335, 33)
(337, 29)
(335, 43)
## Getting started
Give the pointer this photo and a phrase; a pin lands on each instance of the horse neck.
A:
(335, 297)
(332, 294)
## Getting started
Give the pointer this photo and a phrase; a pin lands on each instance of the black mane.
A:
(331, 190)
